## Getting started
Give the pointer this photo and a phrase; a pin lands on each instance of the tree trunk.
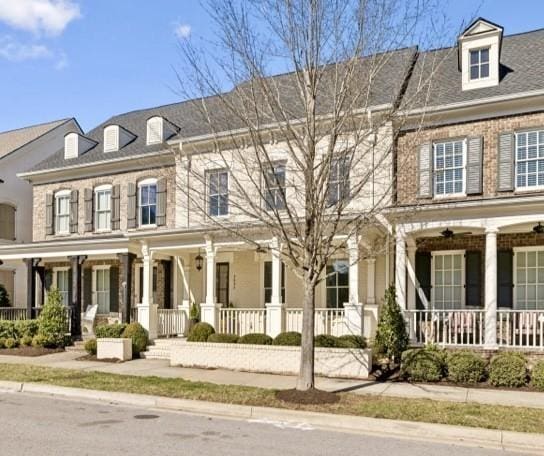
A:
(306, 374)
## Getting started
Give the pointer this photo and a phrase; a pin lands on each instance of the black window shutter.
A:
(161, 202)
(505, 278)
(423, 276)
(131, 206)
(48, 279)
(473, 279)
(49, 214)
(114, 289)
(74, 211)
(87, 288)
(116, 208)
(88, 197)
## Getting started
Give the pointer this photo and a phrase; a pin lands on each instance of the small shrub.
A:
(465, 367)
(8, 329)
(423, 364)
(537, 376)
(139, 336)
(508, 369)
(39, 340)
(2, 342)
(90, 346)
(113, 331)
(4, 297)
(200, 332)
(53, 321)
(391, 336)
(26, 328)
(194, 312)
(255, 339)
(26, 341)
(289, 338)
(11, 342)
(352, 341)
(324, 340)
(223, 338)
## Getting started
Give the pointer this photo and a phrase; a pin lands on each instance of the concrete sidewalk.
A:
(161, 368)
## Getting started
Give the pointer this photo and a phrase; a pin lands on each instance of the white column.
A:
(147, 309)
(370, 314)
(400, 269)
(354, 308)
(274, 308)
(370, 281)
(491, 288)
(209, 310)
(182, 291)
(411, 286)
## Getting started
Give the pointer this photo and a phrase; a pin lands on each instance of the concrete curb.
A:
(506, 440)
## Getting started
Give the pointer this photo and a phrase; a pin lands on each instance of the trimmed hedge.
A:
(352, 341)
(11, 342)
(220, 338)
(423, 364)
(255, 339)
(53, 321)
(91, 346)
(325, 341)
(289, 338)
(2, 342)
(508, 369)
(114, 331)
(7, 329)
(139, 336)
(26, 341)
(200, 332)
(465, 367)
(537, 376)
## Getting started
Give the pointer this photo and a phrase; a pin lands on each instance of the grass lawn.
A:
(477, 415)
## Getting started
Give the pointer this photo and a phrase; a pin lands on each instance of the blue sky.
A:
(91, 59)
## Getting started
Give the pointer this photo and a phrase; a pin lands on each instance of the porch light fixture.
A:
(538, 229)
(198, 261)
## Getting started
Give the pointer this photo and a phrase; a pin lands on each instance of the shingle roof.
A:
(12, 140)
(522, 70)
(390, 75)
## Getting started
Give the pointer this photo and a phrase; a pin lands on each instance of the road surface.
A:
(35, 425)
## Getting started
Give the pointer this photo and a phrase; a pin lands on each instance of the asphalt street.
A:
(34, 425)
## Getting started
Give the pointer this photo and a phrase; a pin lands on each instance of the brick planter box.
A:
(114, 349)
(329, 362)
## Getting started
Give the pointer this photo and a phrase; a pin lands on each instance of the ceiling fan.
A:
(449, 234)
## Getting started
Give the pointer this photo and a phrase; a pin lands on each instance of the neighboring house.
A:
(21, 150)
(470, 242)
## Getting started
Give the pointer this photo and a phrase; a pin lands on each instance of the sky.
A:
(91, 59)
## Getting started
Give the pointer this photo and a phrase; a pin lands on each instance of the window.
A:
(62, 212)
(529, 280)
(147, 197)
(338, 186)
(61, 281)
(449, 168)
(111, 138)
(479, 63)
(154, 130)
(218, 188)
(448, 280)
(530, 159)
(337, 283)
(102, 204)
(268, 282)
(274, 178)
(101, 289)
(7, 222)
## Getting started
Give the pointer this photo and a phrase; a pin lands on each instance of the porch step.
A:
(79, 346)
(160, 348)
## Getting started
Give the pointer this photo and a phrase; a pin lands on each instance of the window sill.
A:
(102, 231)
(525, 190)
(146, 227)
(449, 196)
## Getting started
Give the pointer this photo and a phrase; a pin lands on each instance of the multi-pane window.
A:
(62, 283)
(274, 178)
(7, 222)
(529, 280)
(102, 204)
(338, 186)
(62, 213)
(448, 280)
(479, 63)
(530, 159)
(268, 282)
(218, 193)
(102, 289)
(147, 203)
(337, 283)
(449, 168)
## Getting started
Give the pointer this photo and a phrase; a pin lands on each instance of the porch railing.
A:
(446, 327)
(242, 321)
(134, 314)
(171, 322)
(327, 321)
(11, 313)
(520, 328)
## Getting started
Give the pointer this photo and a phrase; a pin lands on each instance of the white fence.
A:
(520, 328)
(11, 313)
(327, 321)
(171, 322)
(446, 327)
(242, 321)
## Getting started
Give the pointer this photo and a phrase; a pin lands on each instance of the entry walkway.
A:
(161, 368)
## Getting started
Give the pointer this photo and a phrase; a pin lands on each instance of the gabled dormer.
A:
(76, 145)
(479, 52)
(159, 130)
(116, 137)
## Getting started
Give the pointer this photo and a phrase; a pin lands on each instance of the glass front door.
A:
(222, 283)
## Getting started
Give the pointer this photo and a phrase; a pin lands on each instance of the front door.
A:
(222, 283)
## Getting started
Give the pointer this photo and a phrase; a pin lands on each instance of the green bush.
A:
(289, 338)
(90, 346)
(423, 364)
(465, 367)
(223, 338)
(391, 336)
(139, 336)
(7, 329)
(4, 297)
(26, 341)
(200, 332)
(255, 339)
(53, 321)
(113, 331)
(2, 342)
(508, 369)
(39, 341)
(10, 342)
(324, 340)
(351, 341)
(26, 328)
(537, 376)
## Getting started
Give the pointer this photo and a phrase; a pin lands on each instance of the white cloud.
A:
(62, 61)
(47, 16)
(182, 31)
(17, 52)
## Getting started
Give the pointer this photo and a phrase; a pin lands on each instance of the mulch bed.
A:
(30, 351)
(310, 397)
(94, 358)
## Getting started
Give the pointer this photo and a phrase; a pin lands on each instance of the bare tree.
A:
(309, 150)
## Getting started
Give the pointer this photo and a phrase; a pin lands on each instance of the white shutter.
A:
(71, 145)
(154, 130)
(111, 138)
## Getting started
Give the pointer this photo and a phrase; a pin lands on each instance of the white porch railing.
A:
(11, 313)
(171, 322)
(520, 328)
(327, 321)
(446, 327)
(242, 321)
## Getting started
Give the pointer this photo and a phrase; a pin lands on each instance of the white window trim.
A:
(478, 49)
(102, 267)
(115, 146)
(338, 256)
(148, 181)
(273, 164)
(58, 195)
(516, 250)
(55, 282)
(526, 188)
(464, 191)
(149, 142)
(463, 275)
(208, 176)
(101, 188)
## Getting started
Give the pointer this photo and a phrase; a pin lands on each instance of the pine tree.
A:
(391, 336)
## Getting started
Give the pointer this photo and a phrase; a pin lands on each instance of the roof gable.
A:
(480, 26)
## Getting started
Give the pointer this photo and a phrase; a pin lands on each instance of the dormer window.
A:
(154, 130)
(76, 145)
(479, 64)
(111, 138)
